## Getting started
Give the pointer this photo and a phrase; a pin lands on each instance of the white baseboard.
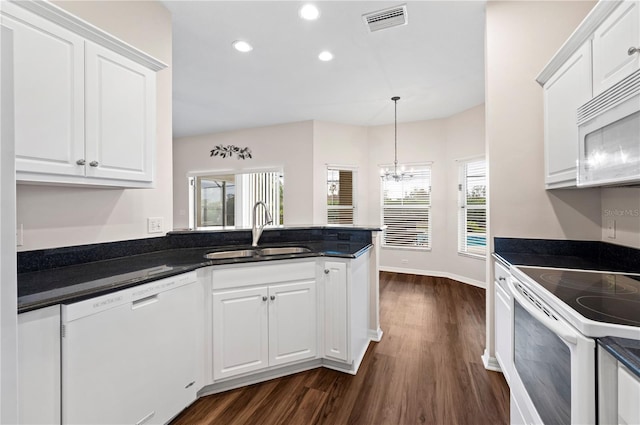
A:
(434, 273)
(490, 363)
(375, 335)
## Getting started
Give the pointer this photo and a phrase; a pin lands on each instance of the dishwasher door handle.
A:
(143, 302)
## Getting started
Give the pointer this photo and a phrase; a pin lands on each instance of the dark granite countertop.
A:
(70, 274)
(626, 351)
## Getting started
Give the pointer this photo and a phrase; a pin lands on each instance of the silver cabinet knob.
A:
(94, 163)
(81, 162)
(633, 50)
(273, 297)
(264, 298)
(326, 271)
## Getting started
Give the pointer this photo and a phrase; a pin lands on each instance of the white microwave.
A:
(609, 136)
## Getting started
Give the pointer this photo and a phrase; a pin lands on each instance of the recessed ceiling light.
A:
(325, 56)
(242, 46)
(309, 12)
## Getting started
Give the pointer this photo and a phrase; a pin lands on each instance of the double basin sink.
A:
(256, 252)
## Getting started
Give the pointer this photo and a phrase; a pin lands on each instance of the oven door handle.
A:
(555, 326)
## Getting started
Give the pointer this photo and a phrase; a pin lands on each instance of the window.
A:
(226, 200)
(340, 195)
(406, 210)
(472, 215)
(216, 199)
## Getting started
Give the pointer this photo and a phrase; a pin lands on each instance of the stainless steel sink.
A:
(236, 253)
(282, 250)
(257, 252)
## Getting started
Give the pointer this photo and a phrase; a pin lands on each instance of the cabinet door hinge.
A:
(63, 331)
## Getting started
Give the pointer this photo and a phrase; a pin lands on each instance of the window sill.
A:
(406, 248)
(470, 255)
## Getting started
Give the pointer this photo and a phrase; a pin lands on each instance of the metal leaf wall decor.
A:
(229, 150)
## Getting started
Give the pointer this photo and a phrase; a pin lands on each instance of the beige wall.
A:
(339, 145)
(521, 37)
(61, 216)
(286, 146)
(442, 142)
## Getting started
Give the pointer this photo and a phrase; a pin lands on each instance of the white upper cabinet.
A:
(49, 94)
(85, 101)
(594, 58)
(565, 91)
(120, 116)
(612, 40)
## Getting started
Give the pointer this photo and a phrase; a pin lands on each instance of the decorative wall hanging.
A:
(229, 150)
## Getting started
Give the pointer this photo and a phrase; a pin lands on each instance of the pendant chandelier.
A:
(395, 175)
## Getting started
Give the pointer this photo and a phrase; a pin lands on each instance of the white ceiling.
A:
(435, 63)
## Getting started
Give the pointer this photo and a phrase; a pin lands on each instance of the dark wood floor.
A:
(426, 370)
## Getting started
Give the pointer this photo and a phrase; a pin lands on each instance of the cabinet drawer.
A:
(260, 273)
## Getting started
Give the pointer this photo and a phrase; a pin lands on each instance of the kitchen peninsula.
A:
(242, 319)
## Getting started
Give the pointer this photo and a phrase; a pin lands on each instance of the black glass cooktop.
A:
(598, 296)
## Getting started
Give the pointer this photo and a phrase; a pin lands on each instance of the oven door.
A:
(554, 363)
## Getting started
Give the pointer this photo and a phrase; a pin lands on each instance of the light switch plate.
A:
(154, 225)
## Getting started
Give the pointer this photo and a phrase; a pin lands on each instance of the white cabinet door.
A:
(565, 91)
(628, 396)
(120, 116)
(240, 331)
(336, 304)
(49, 94)
(39, 366)
(611, 42)
(292, 322)
(503, 329)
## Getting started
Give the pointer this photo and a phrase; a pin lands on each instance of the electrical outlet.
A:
(20, 235)
(611, 229)
(154, 225)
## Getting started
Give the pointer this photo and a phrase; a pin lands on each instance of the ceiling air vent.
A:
(387, 18)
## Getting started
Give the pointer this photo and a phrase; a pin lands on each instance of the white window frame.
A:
(354, 182)
(475, 251)
(423, 245)
(242, 212)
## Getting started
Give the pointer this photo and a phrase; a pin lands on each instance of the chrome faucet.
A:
(255, 231)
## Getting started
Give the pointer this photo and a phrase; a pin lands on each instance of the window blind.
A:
(340, 188)
(406, 210)
(472, 216)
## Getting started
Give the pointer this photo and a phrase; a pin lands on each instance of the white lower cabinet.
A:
(263, 316)
(39, 366)
(618, 392)
(628, 396)
(346, 303)
(503, 322)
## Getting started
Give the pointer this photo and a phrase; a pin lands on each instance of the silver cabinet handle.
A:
(81, 162)
(94, 163)
(501, 278)
(326, 271)
(264, 298)
(633, 50)
(273, 297)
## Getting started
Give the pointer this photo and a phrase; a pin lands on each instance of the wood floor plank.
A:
(427, 369)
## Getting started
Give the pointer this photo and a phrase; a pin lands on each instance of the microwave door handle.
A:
(558, 328)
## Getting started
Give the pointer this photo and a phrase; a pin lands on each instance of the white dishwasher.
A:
(129, 357)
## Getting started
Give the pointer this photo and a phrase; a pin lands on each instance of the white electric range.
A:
(557, 313)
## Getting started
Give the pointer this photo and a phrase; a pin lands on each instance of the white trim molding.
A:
(490, 363)
(433, 273)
